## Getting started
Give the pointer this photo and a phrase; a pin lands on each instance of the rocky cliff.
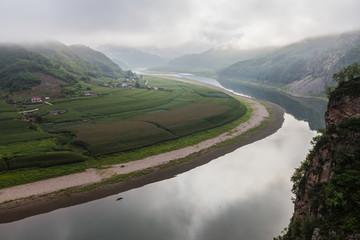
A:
(327, 184)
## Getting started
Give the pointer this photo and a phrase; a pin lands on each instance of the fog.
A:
(161, 23)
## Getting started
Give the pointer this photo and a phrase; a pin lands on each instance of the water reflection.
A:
(309, 109)
(242, 195)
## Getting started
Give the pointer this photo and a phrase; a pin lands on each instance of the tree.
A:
(348, 73)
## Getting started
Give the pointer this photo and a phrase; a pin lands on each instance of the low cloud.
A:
(162, 23)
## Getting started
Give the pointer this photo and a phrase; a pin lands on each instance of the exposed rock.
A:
(316, 234)
(341, 108)
(327, 185)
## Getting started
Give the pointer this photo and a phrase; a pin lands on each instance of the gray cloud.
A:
(246, 23)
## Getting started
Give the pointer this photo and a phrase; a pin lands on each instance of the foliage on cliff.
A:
(327, 184)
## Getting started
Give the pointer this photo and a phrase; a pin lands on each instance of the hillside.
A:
(18, 64)
(77, 59)
(326, 185)
(302, 68)
(22, 67)
(211, 60)
(131, 57)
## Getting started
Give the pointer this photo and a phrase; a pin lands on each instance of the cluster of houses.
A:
(36, 100)
(29, 117)
(152, 88)
(90, 93)
(127, 83)
(56, 112)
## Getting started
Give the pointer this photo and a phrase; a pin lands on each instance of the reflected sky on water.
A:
(242, 195)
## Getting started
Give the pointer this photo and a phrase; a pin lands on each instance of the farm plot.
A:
(149, 129)
(14, 130)
(120, 105)
(185, 120)
(110, 137)
(18, 131)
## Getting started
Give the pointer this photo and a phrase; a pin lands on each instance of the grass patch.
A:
(45, 160)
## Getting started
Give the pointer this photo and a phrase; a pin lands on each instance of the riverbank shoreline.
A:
(34, 205)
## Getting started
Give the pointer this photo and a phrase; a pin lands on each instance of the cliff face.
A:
(327, 184)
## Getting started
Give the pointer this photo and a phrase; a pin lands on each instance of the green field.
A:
(98, 128)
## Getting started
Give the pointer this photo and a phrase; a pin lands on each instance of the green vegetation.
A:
(69, 64)
(45, 160)
(332, 205)
(15, 82)
(17, 64)
(114, 125)
(348, 73)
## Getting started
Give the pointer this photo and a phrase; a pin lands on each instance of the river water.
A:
(245, 194)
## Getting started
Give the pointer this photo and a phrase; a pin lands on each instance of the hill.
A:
(18, 64)
(77, 59)
(131, 57)
(25, 66)
(211, 60)
(327, 185)
(302, 68)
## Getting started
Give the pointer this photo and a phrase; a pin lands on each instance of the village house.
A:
(35, 100)
(90, 93)
(56, 112)
(107, 85)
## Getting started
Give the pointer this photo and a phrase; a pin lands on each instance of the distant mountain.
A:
(25, 66)
(212, 59)
(303, 68)
(131, 57)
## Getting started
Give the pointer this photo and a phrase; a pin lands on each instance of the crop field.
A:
(112, 120)
(105, 138)
(188, 119)
(13, 130)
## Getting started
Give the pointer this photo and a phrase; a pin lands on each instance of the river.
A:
(245, 194)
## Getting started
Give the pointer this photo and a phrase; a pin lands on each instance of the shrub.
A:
(45, 160)
(3, 165)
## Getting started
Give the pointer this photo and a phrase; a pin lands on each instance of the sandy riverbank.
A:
(30, 202)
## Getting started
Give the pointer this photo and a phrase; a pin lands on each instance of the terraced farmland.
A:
(114, 120)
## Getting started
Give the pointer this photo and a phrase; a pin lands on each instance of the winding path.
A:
(91, 176)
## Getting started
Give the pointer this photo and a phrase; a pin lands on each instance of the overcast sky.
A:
(169, 23)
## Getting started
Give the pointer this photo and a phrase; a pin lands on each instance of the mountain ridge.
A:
(303, 68)
(131, 57)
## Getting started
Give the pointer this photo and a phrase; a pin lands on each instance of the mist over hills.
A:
(128, 58)
(20, 65)
(212, 59)
(302, 68)
(77, 59)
